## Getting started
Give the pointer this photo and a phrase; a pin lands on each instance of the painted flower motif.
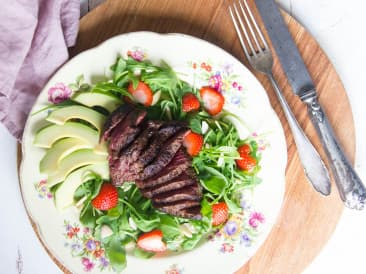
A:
(42, 190)
(227, 248)
(90, 245)
(231, 228)
(215, 81)
(137, 54)
(255, 219)
(87, 263)
(59, 93)
(244, 239)
(103, 262)
(174, 269)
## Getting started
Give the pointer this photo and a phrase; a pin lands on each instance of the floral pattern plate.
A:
(200, 63)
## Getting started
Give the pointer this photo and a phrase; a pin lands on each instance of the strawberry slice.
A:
(193, 143)
(107, 197)
(244, 150)
(213, 101)
(190, 102)
(152, 241)
(142, 93)
(246, 162)
(220, 213)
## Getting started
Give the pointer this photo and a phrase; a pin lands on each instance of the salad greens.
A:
(119, 228)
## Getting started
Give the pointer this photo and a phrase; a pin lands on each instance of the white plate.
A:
(200, 63)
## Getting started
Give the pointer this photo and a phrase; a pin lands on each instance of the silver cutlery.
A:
(350, 187)
(260, 57)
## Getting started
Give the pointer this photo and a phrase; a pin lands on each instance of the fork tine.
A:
(244, 30)
(249, 22)
(255, 26)
(238, 32)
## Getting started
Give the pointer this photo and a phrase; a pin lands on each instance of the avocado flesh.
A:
(78, 158)
(61, 115)
(58, 151)
(47, 136)
(64, 195)
(91, 99)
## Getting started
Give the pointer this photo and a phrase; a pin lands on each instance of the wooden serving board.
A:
(307, 219)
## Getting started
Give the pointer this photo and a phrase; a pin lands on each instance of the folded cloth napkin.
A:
(34, 37)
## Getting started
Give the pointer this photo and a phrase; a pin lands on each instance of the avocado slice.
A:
(64, 195)
(91, 99)
(58, 151)
(61, 115)
(78, 158)
(48, 135)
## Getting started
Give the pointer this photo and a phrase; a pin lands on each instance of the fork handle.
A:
(313, 165)
(350, 187)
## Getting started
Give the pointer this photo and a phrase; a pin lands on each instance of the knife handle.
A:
(313, 165)
(350, 186)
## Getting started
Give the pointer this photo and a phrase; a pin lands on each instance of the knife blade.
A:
(350, 187)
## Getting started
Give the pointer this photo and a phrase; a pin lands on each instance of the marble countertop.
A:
(338, 26)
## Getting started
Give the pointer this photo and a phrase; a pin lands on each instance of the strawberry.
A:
(220, 213)
(190, 102)
(193, 143)
(244, 150)
(142, 93)
(246, 162)
(107, 197)
(213, 101)
(152, 241)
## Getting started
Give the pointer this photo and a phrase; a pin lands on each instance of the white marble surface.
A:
(338, 26)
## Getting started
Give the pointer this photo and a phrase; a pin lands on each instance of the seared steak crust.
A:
(151, 154)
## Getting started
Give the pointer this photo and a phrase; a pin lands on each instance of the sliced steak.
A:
(124, 164)
(166, 154)
(166, 132)
(114, 119)
(192, 192)
(191, 212)
(179, 182)
(126, 131)
(178, 164)
(183, 208)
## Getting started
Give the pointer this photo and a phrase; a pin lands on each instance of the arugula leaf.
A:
(116, 254)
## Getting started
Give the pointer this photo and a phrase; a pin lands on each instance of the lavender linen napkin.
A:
(34, 37)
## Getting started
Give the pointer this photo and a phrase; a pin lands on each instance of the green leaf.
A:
(140, 253)
(144, 223)
(195, 123)
(214, 184)
(117, 254)
(169, 227)
(191, 243)
(233, 207)
(87, 216)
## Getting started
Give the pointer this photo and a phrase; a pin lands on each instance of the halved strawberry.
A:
(220, 213)
(244, 149)
(246, 162)
(213, 101)
(107, 197)
(193, 143)
(152, 241)
(190, 102)
(142, 93)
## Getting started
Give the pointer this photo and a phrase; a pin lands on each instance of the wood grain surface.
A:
(307, 219)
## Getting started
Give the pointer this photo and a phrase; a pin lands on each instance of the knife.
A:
(350, 187)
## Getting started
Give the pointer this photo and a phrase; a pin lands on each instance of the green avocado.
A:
(61, 115)
(48, 135)
(78, 158)
(64, 195)
(91, 99)
(58, 151)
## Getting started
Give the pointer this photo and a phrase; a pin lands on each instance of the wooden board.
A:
(307, 220)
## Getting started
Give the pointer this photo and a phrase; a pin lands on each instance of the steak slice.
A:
(179, 182)
(178, 164)
(192, 192)
(124, 164)
(166, 132)
(114, 119)
(166, 154)
(126, 131)
(183, 208)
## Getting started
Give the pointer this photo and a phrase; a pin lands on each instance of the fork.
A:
(260, 58)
